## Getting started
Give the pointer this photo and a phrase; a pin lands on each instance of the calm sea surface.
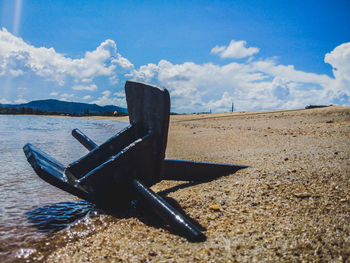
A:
(30, 207)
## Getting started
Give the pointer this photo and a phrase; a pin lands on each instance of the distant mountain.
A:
(65, 107)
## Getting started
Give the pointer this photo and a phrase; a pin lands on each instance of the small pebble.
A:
(214, 207)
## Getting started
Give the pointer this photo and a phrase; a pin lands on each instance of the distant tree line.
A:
(31, 111)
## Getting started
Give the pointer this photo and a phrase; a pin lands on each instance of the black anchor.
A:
(124, 167)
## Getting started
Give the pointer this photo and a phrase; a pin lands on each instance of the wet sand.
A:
(292, 204)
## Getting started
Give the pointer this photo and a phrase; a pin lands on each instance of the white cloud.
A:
(86, 80)
(5, 101)
(145, 72)
(91, 87)
(223, 104)
(253, 85)
(20, 101)
(106, 93)
(123, 62)
(16, 73)
(236, 50)
(17, 57)
(119, 94)
(270, 68)
(106, 99)
(114, 80)
(339, 59)
(66, 96)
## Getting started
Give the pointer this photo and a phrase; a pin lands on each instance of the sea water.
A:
(30, 207)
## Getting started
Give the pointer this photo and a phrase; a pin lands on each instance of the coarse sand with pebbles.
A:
(291, 204)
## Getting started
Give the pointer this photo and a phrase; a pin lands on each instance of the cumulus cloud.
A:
(145, 72)
(87, 97)
(5, 101)
(18, 57)
(85, 80)
(107, 98)
(20, 101)
(253, 85)
(222, 104)
(16, 73)
(66, 96)
(91, 87)
(236, 50)
(123, 62)
(120, 94)
(339, 59)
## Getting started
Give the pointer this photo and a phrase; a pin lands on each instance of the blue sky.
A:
(257, 54)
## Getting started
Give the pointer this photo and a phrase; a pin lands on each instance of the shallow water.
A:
(30, 207)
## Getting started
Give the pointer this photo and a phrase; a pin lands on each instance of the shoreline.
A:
(194, 116)
(291, 204)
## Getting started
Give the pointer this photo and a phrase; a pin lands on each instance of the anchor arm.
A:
(101, 153)
(84, 140)
(51, 171)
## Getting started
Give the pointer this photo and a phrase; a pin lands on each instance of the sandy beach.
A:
(291, 205)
